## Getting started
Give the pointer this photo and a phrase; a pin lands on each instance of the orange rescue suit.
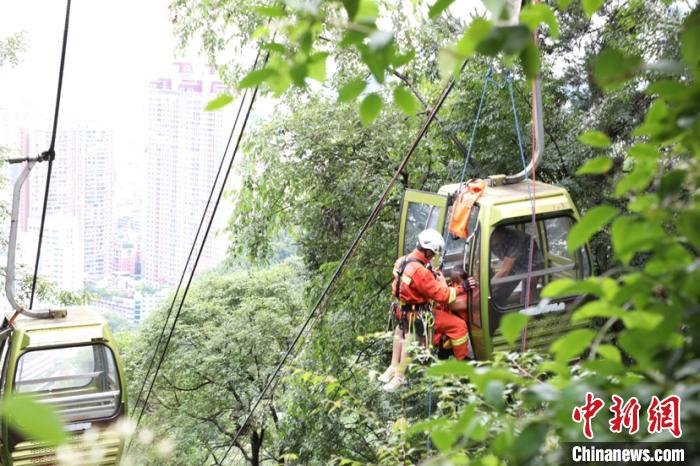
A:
(418, 284)
(453, 326)
(462, 208)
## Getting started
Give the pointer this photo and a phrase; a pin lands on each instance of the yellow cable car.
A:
(500, 225)
(70, 363)
(65, 358)
(506, 206)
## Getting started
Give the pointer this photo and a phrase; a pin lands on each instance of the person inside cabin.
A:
(451, 333)
(512, 247)
(416, 286)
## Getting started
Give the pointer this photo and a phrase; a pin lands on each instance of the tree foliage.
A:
(233, 328)
(627, 80)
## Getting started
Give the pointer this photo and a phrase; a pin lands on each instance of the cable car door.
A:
(419, 210)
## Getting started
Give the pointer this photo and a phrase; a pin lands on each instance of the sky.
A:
(114, 49)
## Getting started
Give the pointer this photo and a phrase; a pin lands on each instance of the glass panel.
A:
(510, 249)
(557, 229)
(418, 218)
(454, 246)
(475, 305)
(81, 382)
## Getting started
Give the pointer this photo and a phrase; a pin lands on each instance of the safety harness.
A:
(409, 312)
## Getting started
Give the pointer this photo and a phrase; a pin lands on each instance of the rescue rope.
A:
(467, 158)
(317, 311)
(50, 154)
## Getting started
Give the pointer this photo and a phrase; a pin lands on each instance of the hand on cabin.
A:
(472, 282)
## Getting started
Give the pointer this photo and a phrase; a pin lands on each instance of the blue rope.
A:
(430, 413)
(467, 158)
(487, 79)
(509, 79)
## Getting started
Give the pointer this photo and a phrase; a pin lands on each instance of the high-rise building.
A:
(79, 205)
(184, 147)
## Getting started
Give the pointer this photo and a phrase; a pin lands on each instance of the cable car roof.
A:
(505, 194)
(81, 325)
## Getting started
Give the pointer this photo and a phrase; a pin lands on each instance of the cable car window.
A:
(81, 382)
(455, 246)
(418, 217)
(510, 255)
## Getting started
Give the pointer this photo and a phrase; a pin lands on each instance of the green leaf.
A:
(595, 309)
(631, 235)
(255, 78)
(494, 394)
(612, 68)
(451, 367)
(670, 90)
(610, 353)
(406, 101)
(642, 320)
(530, 60)
(596, 166)
(370, 108)
(529, 442)
(427, 425)
(401, 60)
(351, 7)
(352, 38)
(572, 344)
(563, 4)
(317, 66)
(497, 8)
(367, 11)
(591, 6)
(271, 11)
(569, 287)
(443, 438)
(594, 220)
(689, 226)
(477, 31)
(218, 102)
(535, 14)
(298, 73)
(34, 420)
(595, 139)
(275, 47)
(438, 7)
(645, 158)
(351, 90)
(690, 39)
(512, 325)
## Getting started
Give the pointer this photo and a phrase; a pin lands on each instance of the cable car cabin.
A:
(500, 225)
(70, 363)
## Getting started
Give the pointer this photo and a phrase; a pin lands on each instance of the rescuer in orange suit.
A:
(451, 333)
(416, 286)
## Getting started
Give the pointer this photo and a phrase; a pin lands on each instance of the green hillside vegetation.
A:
(313, 168)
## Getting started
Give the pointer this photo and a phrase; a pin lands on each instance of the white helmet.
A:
(432, 240)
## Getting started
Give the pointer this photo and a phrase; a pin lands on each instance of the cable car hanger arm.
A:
(12, 244)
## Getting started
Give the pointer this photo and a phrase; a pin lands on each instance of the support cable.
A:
(317, 311)
(201, 249)
(196, 237)
(50, 154)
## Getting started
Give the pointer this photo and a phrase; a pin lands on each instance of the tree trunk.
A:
(256, 441)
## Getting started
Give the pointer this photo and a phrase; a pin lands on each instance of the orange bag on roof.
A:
(462, 208)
